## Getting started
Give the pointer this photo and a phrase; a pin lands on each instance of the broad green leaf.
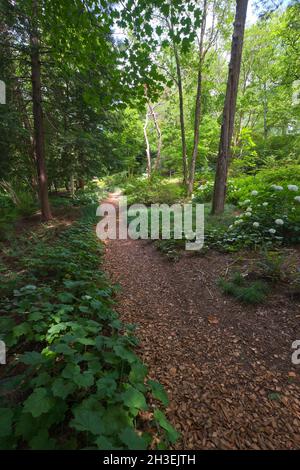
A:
(138, 373)
(103, 443)
(42, 441)
(22, 329)
(62, 388)
(132, 440)
(172, 434)
(38, 402)
(158, 392)
(106, 387)
(6, 416)
(125, 354)
(134, 399)
(86, 379)
(86, 420)
(32, 358)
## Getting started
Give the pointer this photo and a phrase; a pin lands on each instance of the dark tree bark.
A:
(39, 135)
(229, 107)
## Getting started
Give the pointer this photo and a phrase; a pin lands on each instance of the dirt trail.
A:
(227, 368)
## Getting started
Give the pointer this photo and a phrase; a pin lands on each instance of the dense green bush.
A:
(72, 379)
(204, 192)
(13, 205)
(289, 175)
(154, 191)
(271, 214)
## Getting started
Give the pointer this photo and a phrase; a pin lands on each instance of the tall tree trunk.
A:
(39, 136)
(229, 107)
(198, 107)
(72, 185)
(265, 112)
(181, 114)
(159, 136)
(148, 154)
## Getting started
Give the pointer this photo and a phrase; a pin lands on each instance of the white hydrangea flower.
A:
(279, 222)
(279, 188)
(265, 204)
(254, 193)
(248, 214)
(272, 231)
(256, 225)
(297, 198)
(245, 202)
(249, 209)
(230, 227)
(293, 187)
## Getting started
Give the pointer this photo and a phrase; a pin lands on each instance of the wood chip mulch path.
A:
(226, 367)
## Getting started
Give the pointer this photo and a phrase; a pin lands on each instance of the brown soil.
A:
(226, 367)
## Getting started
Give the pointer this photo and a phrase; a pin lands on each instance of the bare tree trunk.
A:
(39, 136)
(148, 154)
(265, 113)
(181, 114)
(229, 107)
(159, 136)
(72, 185)
(198, 107)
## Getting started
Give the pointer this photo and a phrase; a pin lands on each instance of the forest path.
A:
(225, 367)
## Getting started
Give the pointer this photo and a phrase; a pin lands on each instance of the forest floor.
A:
(226, 367)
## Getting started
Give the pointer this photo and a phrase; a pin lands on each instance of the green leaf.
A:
(115, 418)
(106, 387)
(103, 443)
(125, 354)
(6, 416)
(62, 348)
(87, 420)
(134, 399)
(138, 373)
(41, 379)
(132, 440)
(65, 297)
(86, 379)
(32, 358)
(35, 316)
(172, 434)
(62, 388)
(22, 329)
(42, 441)
(158, 392)
(38, 402)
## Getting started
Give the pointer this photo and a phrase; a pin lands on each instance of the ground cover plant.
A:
(73, 379)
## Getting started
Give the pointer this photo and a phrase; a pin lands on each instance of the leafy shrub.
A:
(248, 292)
(204, 193)
(74, 380)
(91, 194)
(154, 191)
(271, 215)
(244, 185)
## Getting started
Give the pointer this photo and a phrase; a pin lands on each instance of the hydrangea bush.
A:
(269, 216)
(204, 192)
